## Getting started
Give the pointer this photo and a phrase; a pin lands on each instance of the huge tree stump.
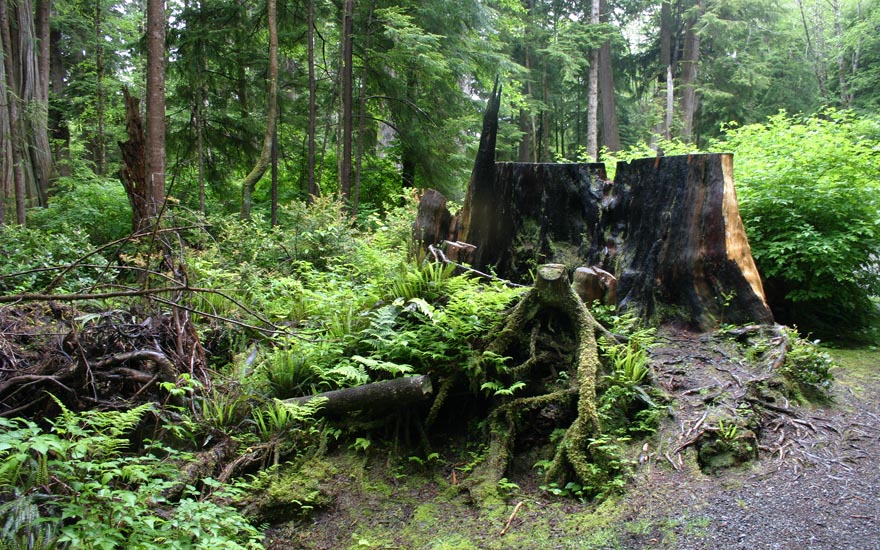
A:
(526, 215)
(679, 246)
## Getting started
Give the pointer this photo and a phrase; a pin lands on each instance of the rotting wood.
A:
(375, 397)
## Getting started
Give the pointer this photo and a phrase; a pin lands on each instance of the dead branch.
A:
(511, 518)
(439, 256)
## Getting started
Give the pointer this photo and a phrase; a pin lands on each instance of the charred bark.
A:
(133, 171)
(523, 215)
(680, 245)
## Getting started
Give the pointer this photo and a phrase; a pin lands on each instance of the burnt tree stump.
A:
(680, 248)
(664, 240)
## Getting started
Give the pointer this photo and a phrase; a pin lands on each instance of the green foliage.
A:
(807, 368)
(75, 486)
(808, 195)
(78, 205)
(627, 405)
(31, 259)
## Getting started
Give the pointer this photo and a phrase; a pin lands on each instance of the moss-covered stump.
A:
(729, 449)
(551, 306)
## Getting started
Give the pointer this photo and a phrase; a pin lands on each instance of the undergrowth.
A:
(78, 485)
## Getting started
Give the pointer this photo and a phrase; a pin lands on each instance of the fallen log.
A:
(376, 397)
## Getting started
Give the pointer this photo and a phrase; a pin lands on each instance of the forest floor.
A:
(816, 483)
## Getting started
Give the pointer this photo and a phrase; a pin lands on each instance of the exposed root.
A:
(551, 298)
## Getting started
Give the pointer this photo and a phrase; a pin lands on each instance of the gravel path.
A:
(825, 494)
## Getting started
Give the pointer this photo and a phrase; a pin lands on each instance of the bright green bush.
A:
(808, 195)
(98, 207)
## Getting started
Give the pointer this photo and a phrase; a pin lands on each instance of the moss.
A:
(720, 452)
(291, 491)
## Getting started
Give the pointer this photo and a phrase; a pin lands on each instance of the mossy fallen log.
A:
(376, 397)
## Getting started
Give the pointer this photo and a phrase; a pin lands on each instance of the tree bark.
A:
(679, 245)
(250, 181)
(362, 114)
(376, 397)
(133, 170)
(15, 156)
(474, 216)
(155, 130)
(57, 123)
(347, 118)
(689, 63)
(593, 92)
(668, 230)
(100, 154)
(610, 127)
(433, 221)
(313, 189)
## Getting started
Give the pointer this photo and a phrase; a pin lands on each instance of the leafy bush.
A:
(74, 486)
(807, 369)
(29, 253)
(808, 195)
(98, 207)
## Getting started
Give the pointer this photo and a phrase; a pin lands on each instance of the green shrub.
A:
(808, 195)
(98, 207)
(75, 486)
(32, 257)
(807, 369)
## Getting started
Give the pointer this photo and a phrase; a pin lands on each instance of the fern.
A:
(347, 373)
(384, 366)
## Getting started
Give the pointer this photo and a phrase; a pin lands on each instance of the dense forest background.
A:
(372, 97)
(249, 106)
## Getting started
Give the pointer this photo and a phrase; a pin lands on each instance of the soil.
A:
(814, 483)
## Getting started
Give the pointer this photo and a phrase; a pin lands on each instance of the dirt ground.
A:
(815, 485)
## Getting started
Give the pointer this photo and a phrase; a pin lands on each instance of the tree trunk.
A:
(57, 123)
(155, 134)
(689, 62)
(44, 8)
(133, 171)
(679, 245)
(200, 138)
(313, 190)
(362, 114)
(250, 181)
(10, 97)
(377, 397)
(610, 127)
(100, 154)
(347, 118)
(480, 193)
(593, 93)
(667, 29)
(433, 223)
(274, 175)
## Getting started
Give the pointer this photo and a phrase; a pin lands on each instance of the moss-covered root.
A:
(483, 483)
(573, 449)
(552, 290)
